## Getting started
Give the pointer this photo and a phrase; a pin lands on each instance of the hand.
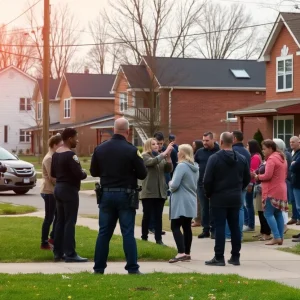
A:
(170, 148)
(292, 162)
(252, 174)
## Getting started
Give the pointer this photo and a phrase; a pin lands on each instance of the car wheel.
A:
(21, 191)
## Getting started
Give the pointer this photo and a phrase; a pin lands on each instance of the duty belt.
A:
(117, 190)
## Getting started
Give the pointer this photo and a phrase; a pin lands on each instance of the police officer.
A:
(118, 164)
(66, 168)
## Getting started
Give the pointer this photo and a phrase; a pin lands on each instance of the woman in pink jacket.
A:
(274, 192)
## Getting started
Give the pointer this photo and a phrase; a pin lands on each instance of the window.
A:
(123, 102)
(240, 73)
(39, 111)
(230, 117)
(284, 72)
(5, 134)
(25, 104)
(25, 136)
(283, 128)
(67, 108)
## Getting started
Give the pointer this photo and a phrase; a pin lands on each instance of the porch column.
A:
(241, 125)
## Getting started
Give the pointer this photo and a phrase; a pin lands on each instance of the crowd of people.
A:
(213, 184)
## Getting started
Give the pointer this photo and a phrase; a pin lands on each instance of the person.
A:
(226, 175)
(295, 147)
(47, 193)
(201, 158)
(281, 146)
(118, 164)
(183, 187)
(196, 145)
(154, 190)
(172, 139)
(3, 168)
(274, 191)
(67, 171)
(255, 161)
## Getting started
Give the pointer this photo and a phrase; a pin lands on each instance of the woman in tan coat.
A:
(154, 187)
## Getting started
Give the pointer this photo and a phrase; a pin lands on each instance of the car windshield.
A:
(5, 155)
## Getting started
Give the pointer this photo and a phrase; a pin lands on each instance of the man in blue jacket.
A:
(201, 157)
(227, 174)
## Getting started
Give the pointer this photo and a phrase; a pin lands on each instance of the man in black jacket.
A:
(201, 157)
(227, 174)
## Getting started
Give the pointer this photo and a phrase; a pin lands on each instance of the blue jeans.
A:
(275, 220)
(296, 193)
(241, 218)
(115, 206)
(249, 214)
(292, 200)
(206, 214)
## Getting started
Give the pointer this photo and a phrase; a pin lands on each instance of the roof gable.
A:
(53, 87)
(292, 22)
(89, 85)
(19, 71)
(207, 73)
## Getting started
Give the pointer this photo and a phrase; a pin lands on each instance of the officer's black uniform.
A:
(118, 164)
(67, 170)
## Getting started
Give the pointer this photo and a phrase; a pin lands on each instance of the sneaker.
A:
(215, 262)
(296, 236)
(247, 229)
(46, 247)
(203, 235)
(234, 261)
(291, 222)
(51, 242)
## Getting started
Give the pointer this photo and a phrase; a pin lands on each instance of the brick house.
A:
(188, 97)
(79, 101)
(281, 55)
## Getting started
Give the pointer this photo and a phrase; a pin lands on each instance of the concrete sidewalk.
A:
(258, 261)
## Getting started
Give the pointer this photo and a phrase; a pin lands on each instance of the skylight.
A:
(240, 73)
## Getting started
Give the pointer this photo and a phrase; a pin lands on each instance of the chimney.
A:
(86, 70)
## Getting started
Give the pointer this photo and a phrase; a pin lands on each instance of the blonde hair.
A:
(147, 146)
(187, 151)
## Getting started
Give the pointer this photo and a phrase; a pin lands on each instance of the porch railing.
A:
(143, 114)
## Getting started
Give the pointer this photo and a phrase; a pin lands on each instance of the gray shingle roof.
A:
(53, 86)
(137, 76)
(90, 85)
(201, 73)
(293, 21)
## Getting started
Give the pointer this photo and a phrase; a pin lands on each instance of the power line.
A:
(22, 55)
(23, 13)
(258, 3)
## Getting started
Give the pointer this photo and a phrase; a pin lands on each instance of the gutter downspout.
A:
(170, 109)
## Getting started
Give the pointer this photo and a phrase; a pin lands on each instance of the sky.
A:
(87, 10)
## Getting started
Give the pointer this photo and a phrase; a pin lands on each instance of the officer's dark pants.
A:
(206, 214)
(67, 203)
(114, 206)
(220, 215)
(50, 215)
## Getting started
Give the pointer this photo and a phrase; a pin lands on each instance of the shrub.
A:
(258, 136)
(20, 152)
(140, 148)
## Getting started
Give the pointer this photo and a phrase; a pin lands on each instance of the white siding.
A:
(13, 86)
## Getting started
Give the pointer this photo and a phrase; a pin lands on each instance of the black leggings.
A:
(50, 215)
(264, 226)
(183, 241)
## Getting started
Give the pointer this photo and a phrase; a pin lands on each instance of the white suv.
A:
(20, 176)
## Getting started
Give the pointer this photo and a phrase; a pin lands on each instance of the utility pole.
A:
(46, 75)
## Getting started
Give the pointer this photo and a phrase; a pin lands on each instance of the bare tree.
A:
(227, 32)
(63, 36)
(16, 49)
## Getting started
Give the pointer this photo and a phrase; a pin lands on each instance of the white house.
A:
(16, 110)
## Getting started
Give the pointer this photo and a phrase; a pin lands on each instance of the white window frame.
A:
(284, 58)
(123, 101)
(27, 101)
(277, 118)
(39, 110)
(67, 108)
(230, 119)
(25, 134)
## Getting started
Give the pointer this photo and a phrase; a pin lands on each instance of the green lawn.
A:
(188, 286)
(87, 186)
(11, 209)
(20, 242)
(85, 161)
(294, 250)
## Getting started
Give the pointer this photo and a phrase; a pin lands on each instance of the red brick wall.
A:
(284, 38)
(197, 111)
